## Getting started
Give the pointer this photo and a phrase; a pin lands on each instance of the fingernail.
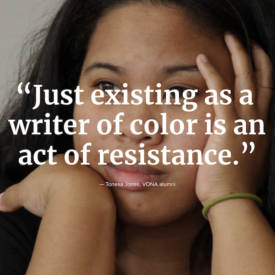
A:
(204, 58)
(229, 36)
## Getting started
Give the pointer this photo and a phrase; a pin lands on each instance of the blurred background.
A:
(18, 19)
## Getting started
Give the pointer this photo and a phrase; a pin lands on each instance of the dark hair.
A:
(57, 60)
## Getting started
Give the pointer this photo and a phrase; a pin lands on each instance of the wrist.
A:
(216, 195)
(84, 193)
(228, 209)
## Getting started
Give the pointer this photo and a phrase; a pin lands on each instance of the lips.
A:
(133, 177)
(141, 169)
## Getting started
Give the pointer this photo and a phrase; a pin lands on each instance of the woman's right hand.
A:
(50, 181)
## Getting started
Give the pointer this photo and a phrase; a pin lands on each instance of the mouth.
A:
(134, 177)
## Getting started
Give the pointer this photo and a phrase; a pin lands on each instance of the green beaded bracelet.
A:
(230, 196)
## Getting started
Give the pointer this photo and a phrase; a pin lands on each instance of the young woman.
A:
(70, 223)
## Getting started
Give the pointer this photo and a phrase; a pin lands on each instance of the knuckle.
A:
(213, 73)
(240, 48)
(58, 157)
(9, 196)
(249, 75)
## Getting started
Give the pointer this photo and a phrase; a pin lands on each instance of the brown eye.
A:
(105, 85)
(178, 91)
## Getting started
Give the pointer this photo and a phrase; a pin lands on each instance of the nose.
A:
(145, 115)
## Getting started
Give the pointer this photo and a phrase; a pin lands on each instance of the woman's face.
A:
(142, 41)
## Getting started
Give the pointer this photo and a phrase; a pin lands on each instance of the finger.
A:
(244, 73)
(263, 70)
(10, 200)
(215, 81)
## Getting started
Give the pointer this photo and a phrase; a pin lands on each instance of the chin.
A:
(149, 210)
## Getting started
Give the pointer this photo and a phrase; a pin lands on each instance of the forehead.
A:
(139, 36)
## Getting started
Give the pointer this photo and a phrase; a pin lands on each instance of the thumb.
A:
(10, 199)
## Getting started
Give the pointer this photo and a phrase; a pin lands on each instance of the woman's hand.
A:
(248, 175)
(49, 181)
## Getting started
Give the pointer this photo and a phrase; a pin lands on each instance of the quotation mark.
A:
(27, 90)
(245, 147)
(252, 145)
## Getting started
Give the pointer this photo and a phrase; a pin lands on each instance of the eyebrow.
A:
(175, 69)
(107, 66)
(119, 70)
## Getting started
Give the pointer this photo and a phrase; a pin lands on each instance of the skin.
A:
(145, 52)
(153, 241)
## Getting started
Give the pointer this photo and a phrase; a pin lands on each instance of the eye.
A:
(106, 85)
(178, 90)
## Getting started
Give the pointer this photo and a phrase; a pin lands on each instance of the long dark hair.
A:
(56, 61)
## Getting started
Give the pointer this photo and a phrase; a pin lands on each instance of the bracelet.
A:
(231, 196)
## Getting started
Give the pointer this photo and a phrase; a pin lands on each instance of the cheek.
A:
(92, 136)
(197, 140)
(190, 142)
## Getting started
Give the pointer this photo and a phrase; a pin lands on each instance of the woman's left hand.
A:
(250, 172)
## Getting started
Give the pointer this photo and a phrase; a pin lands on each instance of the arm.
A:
(77, 230)
(243, 240)
(76, 236)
